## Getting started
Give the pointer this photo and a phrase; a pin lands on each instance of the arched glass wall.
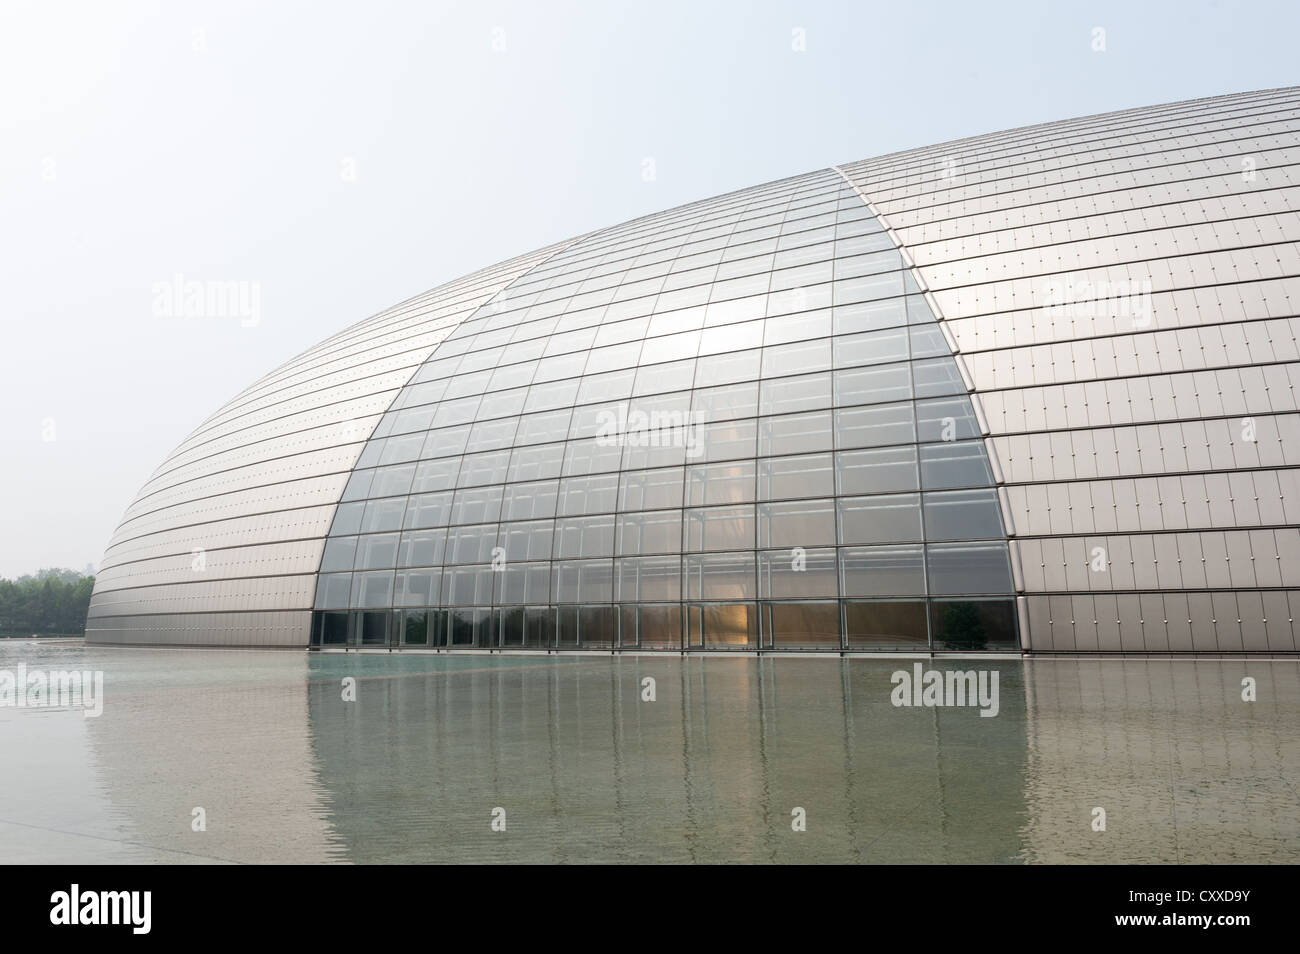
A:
(735, 425)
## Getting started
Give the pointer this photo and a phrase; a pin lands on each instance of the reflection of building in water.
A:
(711, 770)
(1185, 770)
(169, 745)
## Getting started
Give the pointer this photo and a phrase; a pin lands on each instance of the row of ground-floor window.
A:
(904, 625)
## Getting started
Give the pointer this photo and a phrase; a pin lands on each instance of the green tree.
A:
(52, 602)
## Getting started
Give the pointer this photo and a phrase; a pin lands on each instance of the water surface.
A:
(585, 770)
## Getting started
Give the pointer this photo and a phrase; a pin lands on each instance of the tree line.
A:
(51, 603)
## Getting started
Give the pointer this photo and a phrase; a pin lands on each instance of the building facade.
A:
(1034, 390)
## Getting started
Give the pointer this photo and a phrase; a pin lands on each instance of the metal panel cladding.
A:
(1035, 389)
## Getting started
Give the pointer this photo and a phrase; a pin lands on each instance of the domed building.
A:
(1031, 391)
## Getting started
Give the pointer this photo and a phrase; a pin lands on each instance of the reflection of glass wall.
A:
(734, 425)
(710, 771)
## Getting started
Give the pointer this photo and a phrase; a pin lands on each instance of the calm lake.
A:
(269, 754)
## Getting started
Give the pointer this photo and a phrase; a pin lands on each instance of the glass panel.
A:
(719, 528)
(937, 377)
(719, 575)
(728, 626)
(595, 455)
(527, 501)
(801, 625)
(927, 340)
(802, 393)
(428, 510)
(799, 358)
(810, 475)
(649, 578)
(333, 590)
(544, 427)
(383, 515)
(523, 583)
(446, 442)
(503, 404)
(492, 435)
(467, 585)
(969, 568)
(470, 544)
(873, 385)
(797, 573)
(347, 518)
(527, 541)
(539, 627)
(659, 378)
(652, 627)
(947, 419)
(597, 627)
(869, 288)
(340, 554)
(374, 589)
(895, 518)
(875, 425)
(377, 551)
(725, 403)
(885, 625)
(555, 394)
(656, 531)
(358, 487)
(536, 463)
(391, 481)
(511, 628)
(470, 627)
(583, 581)
(868, 316)
(728, 440)
(648, 489)
(885, 260)
(794, 434)
(400, 449)
(435, 475)
(421, 587)
(584, 537)
(883, 571)
(588, 495)
(966, 625)
(373, 628)
(487, 468)
(796, 523)
(477, 505)
(871, 347)
(333, 629)
(962, 515)
(959, 464)
(720, 483)
(876, 471)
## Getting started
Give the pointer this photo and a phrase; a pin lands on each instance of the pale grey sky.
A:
(139, 141)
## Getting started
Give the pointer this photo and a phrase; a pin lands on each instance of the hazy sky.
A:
(345, 156)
